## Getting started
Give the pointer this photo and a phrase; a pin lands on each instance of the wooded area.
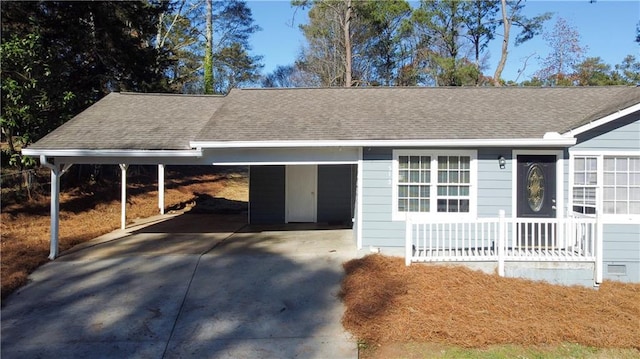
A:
(60, 57)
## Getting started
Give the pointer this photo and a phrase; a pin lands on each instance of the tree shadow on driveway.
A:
(256, 302)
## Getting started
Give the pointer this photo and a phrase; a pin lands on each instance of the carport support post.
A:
(55, 210)
(123, 209)
(57, 170)
(161, 188)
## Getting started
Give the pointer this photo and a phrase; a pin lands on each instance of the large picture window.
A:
(433, 182)
(616, 178)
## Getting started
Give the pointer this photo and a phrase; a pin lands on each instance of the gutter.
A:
(111, 153)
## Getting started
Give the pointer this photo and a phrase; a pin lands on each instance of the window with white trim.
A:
(585, 181)
(433, 182)
(617, 178)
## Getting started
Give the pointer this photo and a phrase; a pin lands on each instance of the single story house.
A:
(542, 183)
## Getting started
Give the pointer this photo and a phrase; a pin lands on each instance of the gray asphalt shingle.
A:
(154, 121)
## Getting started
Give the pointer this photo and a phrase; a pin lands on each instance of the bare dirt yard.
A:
(421, 311)
(93, 209)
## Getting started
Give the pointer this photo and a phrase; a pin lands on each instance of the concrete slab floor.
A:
(164, 291)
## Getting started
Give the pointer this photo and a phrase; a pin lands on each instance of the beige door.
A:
(301, 188)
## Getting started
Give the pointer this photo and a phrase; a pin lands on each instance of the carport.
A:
(153, 129)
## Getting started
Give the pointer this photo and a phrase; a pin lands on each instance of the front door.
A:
(536, 198)
(301, 188)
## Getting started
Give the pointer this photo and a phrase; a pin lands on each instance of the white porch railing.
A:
(502, 239)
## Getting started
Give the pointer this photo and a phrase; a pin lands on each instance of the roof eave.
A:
(554, 141)
(602, 121)
(124, 153)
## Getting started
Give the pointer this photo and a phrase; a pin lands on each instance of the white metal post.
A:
(599, 257)
(502, 232)
(408, 244)
(55, 211)
(161, 188)
(123, 193)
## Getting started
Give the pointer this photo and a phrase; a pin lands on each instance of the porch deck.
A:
(570, 239)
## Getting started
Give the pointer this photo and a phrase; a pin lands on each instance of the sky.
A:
(607, 28)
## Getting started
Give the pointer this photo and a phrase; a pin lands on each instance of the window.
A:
(617, 178)
(621, 185)
(584, 184)
(432, 182)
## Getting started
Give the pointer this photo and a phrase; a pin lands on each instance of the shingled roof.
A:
(410, 113)
(168, 122)
(135, 121)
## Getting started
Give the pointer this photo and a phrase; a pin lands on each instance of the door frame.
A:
(560, 164)
(315, 192)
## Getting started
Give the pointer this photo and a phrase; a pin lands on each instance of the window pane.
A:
(424, 191)
(592, 164)
(442, 177)
(425, 176)
(578, 193)
(621, 164)
(403, 191)
(609, 164)
(634, 193)
(579, 178)
(592, 178)
(465, 162)
(414, 176)
(621, 179)
(609, 193)
(590, 196)
(403, 176)
(414, 162)
(609, 179)
(634, 179)
(579, 164)
(465, 177)
(442, 190)
(621, 194)
(609, 207)
(464, 205)
(634, 207)
(454, 162)
(424, 205)
(413, 205)
(621, 208)
(402, 205)
(464, 190)
(634, 164)
(453, 177)
(453, 206)
(425, 162)
(442, 162)
(442, 205)
(453, 190)
(403, 162)
(414, 191)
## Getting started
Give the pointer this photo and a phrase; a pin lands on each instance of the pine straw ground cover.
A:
(387, 302)
(91, 211)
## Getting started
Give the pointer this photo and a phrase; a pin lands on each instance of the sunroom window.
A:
(617, 178)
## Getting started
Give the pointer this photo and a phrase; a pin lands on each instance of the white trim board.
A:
(603, 121)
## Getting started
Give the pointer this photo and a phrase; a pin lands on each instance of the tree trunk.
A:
(505, 44)
(347, 45)
(208, 56)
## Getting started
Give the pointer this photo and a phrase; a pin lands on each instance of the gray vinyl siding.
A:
(621, 242)
(266, 194)
(622, 135)
(621, 247)
(378, 229)
(335, 193)
(494, 184)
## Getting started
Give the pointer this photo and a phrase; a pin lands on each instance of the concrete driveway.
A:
(192, 286)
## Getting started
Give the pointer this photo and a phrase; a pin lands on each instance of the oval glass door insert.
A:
(535, 187)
